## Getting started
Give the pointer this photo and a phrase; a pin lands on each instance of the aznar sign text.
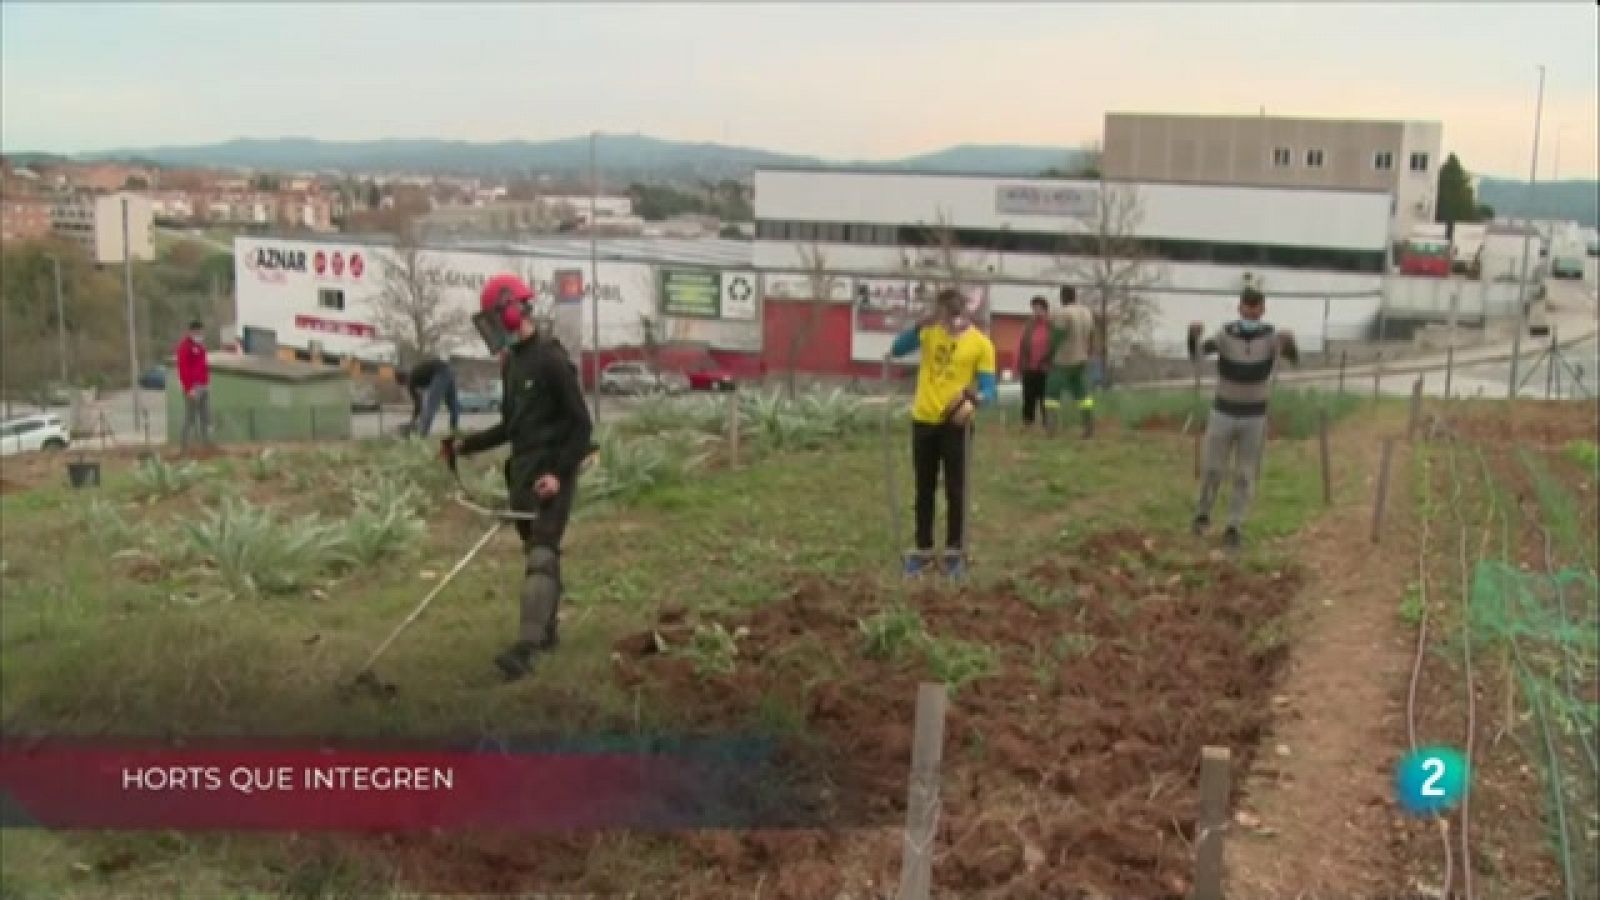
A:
(272, 259)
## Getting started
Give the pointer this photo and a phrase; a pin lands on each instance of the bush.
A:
(887, 634)
(385, 521)
(157, 478)
(254, 553)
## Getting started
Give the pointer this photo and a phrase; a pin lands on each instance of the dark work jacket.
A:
(542, 415)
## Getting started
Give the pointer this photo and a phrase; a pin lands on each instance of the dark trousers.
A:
(1033, 393)
(541, 544)
(935, 448)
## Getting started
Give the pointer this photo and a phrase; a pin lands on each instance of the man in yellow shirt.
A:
(955, 357)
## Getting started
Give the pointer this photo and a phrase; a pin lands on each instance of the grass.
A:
(88, 651)
(1293, 413)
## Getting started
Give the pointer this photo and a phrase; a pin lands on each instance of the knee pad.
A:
(543, 560)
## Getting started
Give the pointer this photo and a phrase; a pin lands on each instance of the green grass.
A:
(87, 650)
(1294, 413)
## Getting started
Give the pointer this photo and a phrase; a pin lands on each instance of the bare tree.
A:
(1117, 268)
(821, 281)
(948, 263)
(411, 310)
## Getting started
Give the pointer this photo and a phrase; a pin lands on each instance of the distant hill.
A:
(621, 156)
(1577, 200)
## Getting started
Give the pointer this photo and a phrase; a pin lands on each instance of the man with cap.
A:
(194, 374)
(544, 417)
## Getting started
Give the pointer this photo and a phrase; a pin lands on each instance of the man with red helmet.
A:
(544, 417)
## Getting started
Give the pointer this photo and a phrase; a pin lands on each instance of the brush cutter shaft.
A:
(482, 542)
(505, 515)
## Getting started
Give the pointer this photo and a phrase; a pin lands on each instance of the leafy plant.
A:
(888, 633)
(385, 521)
(1584, 453)
(1411, 604)
(713, 649)
(155, 477)
(103, 521)
(254, 553)
(1042, 596)
(957, 662)
(264, 465)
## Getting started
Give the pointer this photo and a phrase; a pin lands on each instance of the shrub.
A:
(254, 553)
(156, 477)
(887, 634)
(385, 521)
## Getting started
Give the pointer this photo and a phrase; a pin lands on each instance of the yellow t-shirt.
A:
(950, 364)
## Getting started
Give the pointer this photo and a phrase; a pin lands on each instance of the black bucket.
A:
(83, 474)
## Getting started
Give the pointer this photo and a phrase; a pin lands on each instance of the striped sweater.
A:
(1246, 353)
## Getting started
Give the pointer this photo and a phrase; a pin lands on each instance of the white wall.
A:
(1182, 292)
(1308, 218)
(1417, 188)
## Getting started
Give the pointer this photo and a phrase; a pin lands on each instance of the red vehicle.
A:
(1427, 259)
(707, 375)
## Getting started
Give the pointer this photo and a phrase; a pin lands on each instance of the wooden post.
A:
(922, 800)
(1327, 474)
(1342, 354)
(1215, 784)
(1383, 488)
(1550, 364)
(1449, 366)
(733, 427)
(1377, 378)
(1199, 438)
(1416, 409)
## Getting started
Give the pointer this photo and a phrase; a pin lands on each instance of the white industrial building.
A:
(96, 222)
(1318, 254)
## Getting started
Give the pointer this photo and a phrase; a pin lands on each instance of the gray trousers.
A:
(1242, 439)
(197, 415)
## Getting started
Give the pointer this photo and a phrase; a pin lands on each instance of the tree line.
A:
(189, 281)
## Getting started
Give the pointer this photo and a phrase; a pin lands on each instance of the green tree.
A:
(1456, 200)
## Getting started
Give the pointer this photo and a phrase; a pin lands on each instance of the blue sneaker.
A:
(917, 563)
(955, 564)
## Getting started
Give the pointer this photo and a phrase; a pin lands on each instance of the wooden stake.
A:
(922, 800)
(733, 427)
(1416, 409)
(1449, 366)
(1199, 437)
(1327, 474)
(1216, 765)
(1383, 488)
(1377, 378)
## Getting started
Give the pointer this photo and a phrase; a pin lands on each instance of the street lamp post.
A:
(1527, 240)
(61, 321)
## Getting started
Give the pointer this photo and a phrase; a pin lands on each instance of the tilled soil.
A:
(1069, 770)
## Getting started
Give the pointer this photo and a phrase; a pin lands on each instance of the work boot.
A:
(516, 661)
(1231, 539)
(955, 564)
(917, 563)
(1199, 526)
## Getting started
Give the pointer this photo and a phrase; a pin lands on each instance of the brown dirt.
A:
(1068, 771)
(1321, 821)
(1527, 421)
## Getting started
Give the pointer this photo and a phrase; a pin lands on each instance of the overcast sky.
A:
(836, 80)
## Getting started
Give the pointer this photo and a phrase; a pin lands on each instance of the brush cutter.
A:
(366, 678)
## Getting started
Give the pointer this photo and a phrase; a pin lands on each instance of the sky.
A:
(836, 80)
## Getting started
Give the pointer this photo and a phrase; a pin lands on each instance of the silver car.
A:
(635, 378)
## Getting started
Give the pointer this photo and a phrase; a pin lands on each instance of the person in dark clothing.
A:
(544, 418)
(431, 383)
(1033, 360)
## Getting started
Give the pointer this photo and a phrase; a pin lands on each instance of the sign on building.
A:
(1033, 200)
(692, 293)
(739, 296)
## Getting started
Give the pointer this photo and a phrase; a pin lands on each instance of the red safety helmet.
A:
(510, 298)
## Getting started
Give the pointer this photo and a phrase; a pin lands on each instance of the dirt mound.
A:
(1071, 756)
(1527, 422)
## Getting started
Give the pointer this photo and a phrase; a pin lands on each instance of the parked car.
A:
(154, 379)
(709, 376)
(364, 397)
(640, 378)
(480, 400)
(26, 434)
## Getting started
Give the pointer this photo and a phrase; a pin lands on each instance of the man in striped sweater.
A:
(1246, 349)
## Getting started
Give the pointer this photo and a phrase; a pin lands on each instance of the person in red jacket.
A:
(194, 373)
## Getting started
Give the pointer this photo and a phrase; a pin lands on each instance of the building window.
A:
(1313, 159)
(1282, 157)
(1383, 161)
(1419, 162)
(330, 298)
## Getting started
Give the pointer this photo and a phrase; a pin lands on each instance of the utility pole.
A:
(61, 321)
(1527, 240)
(594, 272)
(133, 341)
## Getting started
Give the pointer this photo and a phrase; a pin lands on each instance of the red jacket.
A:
(193, 371)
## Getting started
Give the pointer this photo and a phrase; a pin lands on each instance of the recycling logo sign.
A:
(739, 295)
